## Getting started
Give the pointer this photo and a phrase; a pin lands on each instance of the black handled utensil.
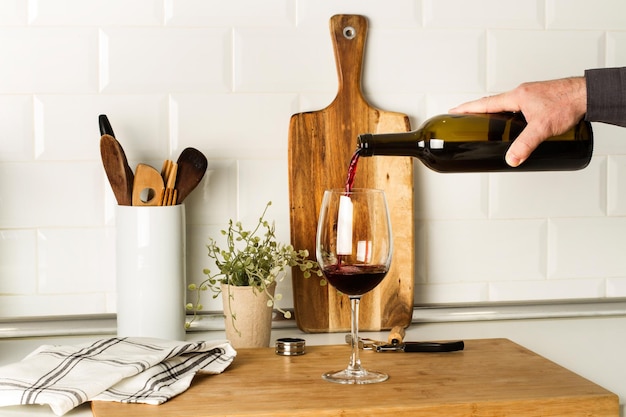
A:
(105, 126)
(116, 166)
(421, 347)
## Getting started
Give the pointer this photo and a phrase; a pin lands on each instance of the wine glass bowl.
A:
(353, 248)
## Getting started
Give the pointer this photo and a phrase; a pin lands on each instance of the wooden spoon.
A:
(116, 167)
(148, 187)
(192, 165)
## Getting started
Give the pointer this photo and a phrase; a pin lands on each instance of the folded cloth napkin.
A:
(130, 370)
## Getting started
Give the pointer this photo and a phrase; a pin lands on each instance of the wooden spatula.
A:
(148, 187)
(321, 144)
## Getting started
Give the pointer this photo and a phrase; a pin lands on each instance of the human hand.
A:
(550, 108)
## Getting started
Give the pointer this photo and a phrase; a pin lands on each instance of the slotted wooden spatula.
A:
(148, 187)
(321, 144)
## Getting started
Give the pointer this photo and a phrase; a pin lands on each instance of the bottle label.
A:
(436, 144)
(432, 144)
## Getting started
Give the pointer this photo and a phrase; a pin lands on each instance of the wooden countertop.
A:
(491, 377)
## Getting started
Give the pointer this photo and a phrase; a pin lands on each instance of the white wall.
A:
(226, 76)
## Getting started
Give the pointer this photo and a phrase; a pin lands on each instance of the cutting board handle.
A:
(348, 34)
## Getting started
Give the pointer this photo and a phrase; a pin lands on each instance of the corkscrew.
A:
(395, 343)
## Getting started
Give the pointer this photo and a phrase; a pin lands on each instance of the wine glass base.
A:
(355, 377)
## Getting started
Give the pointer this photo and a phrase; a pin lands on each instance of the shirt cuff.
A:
(606, 95)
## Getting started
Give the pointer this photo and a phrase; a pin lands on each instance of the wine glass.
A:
(353, 248)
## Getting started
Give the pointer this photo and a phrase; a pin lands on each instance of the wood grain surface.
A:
(321, 144)
(491, 377)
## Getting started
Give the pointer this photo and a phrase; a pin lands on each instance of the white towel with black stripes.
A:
(128, 370)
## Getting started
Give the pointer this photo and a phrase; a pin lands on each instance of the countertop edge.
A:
(106, 323)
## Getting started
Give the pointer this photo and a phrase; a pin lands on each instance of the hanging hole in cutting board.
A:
(349, 32)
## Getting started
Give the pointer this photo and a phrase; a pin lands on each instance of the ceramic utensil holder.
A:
(150, 270)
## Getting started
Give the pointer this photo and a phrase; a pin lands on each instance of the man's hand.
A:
(550, 108)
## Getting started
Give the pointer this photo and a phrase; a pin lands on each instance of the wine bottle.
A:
(478, 143)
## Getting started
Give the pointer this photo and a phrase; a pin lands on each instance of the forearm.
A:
(606, 95)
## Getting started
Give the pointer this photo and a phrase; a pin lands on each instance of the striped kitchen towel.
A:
(130, 370)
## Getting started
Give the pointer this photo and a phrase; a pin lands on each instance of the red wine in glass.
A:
(354, 248)
(355, 279)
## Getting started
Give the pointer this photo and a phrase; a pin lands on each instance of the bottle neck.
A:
(363, 144)
(393, 144)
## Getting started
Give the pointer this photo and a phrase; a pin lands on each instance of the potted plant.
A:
(251, 261)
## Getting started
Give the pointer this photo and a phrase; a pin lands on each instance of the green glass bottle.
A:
(478, 143)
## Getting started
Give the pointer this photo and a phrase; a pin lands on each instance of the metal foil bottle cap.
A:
(290, 346)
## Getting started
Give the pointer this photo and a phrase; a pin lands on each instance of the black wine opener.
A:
(421, 347)
(400, 346)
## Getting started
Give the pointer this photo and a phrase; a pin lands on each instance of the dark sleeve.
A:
(606, 95)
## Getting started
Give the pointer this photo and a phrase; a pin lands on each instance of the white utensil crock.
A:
(150, 270)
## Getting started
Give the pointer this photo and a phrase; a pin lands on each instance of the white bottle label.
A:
(436, 144)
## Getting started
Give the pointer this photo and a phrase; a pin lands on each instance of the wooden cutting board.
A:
(491, 377)
(321, 144)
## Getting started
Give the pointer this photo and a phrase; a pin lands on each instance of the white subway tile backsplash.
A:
(315, 101)
(16, 119)
(516, 56)
(608, 139)
(225, 77)
(230, 13)
(616, 199)
(586, 247)
(509, 14)
(50, 305)
(18, 274)
(49, 60)
(462, 293)
(215, 199)
(409, 61)
(503, 291)
(615, 49)
(95, 12)
(412, 105)
(441, 103)
(69, 126)
(484, 251)
(616, 287)
(76, 260)
(283, 60)
(51, 194)
(582, 14)
(270, 181)
(233, 125)
(450, 196)
(390, 14)
(161, 60)
(550, 194)
(13, 12)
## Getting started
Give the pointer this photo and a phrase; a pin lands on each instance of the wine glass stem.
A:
(355, 361)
